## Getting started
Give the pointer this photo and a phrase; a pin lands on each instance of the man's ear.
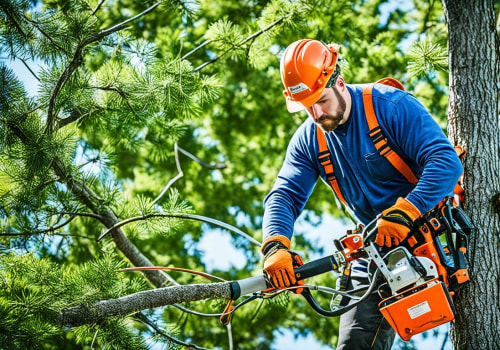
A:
(340, 82)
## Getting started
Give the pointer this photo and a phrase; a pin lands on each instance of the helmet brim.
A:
(296, 106)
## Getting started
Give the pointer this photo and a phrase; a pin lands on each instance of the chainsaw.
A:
(416, 280)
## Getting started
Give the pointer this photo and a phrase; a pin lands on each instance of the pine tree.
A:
(104, 95)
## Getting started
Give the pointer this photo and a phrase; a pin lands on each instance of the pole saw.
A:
(416, 280)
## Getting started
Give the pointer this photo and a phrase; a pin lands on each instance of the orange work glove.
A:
(279, 263)
(396, 222)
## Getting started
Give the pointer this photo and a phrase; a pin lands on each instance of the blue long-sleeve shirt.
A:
(368, 182)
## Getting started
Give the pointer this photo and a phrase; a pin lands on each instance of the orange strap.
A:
(459, 187)
(376, 135)
(378, 138)
(325, 160)
(380, 142)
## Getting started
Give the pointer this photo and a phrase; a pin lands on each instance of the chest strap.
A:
(376, 135)
(325, 159)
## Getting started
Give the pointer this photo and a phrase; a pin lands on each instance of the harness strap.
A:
(375, 132)
(325, 160)
(381, 145)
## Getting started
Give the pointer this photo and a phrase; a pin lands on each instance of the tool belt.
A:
(442, 236)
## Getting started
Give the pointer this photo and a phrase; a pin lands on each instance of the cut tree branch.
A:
(150, 299)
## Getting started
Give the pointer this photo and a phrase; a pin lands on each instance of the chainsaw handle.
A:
(260, 283)
(316, 267)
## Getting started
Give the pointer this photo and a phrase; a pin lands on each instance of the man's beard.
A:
(331, 122)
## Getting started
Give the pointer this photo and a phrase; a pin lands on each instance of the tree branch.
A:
(74, 116)
(98, 7)
(80, 315)
(122, 25)
(78, 61)
(203, 44)
(28, 67)
(6, 8)
(153, 325)
(179, 169)
(427, 16)
(108, 218)
(244, 41)
(35, 24)
(121, 93)
(49, 230)
(180, 216)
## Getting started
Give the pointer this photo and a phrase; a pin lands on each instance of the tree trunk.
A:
(473, 122)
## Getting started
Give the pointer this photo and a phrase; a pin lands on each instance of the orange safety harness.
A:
(380, 142)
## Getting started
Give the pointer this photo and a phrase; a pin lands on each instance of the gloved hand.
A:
(396, 222)
(279, 263)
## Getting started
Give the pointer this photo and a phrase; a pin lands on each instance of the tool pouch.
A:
(442, 236)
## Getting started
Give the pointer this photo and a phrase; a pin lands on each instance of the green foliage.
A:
(426, 56)
(33, 292)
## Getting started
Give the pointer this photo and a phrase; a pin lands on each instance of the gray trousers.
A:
(363, 327)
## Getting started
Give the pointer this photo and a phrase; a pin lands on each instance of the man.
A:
(362, 175)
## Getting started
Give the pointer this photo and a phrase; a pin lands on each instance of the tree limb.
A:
(28, 67)
(108, 218)
(50, 229)
(74, 116)
(98, 7)
(120, 26)
(35, 24)
(105, 215)
(178, 149)
(244, 41)
(78, 61)
(81, 314)
(427, 16)
(7, 8)
(143, 318)
(180, 216)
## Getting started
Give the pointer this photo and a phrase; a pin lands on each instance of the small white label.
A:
(419, 310)
(298, 88)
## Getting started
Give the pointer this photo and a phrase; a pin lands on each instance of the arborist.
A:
(380, 151)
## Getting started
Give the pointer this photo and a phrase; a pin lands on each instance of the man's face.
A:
(329, 111)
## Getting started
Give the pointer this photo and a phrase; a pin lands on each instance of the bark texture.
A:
(79, 315)
(473, 122)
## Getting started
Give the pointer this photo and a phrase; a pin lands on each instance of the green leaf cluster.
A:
(33, 292)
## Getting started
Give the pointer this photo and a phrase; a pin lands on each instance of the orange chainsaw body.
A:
(418, 309)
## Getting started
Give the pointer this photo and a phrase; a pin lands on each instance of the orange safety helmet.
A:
(306, 66)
